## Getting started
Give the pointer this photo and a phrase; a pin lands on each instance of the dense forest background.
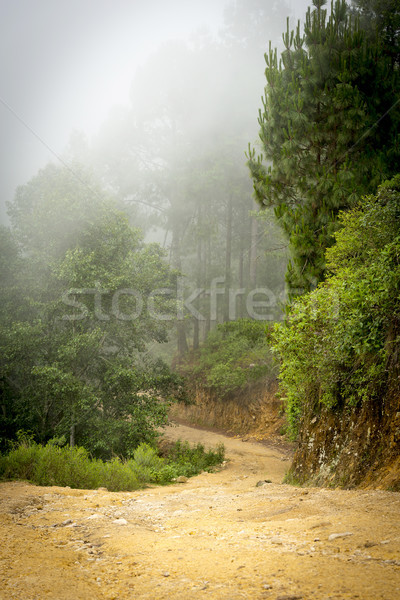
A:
(162, 251)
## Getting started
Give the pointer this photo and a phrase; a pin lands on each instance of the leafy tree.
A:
(88, 293)
(339, 346)
(328, 130)
(50, 210)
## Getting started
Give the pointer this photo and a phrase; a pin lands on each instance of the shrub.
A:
(52, 465)
(234, 355)
(337, 341)
(118, 477)
(195, 458)
(20, 462)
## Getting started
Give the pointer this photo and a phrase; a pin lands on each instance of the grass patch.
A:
(291, 479)
(51, 465)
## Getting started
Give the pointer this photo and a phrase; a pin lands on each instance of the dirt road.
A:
(218, 536)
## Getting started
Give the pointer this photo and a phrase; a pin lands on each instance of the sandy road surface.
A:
(218, 536)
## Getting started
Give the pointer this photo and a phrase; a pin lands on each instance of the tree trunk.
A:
(199, 275)
(228, 257)
(72, 429)
(207, 283)
(253, 251)
(182, 345)
(243, 242)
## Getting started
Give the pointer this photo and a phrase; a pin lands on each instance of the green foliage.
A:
(75, 323)
(234, 355)
(146, 456)
(188, 461)
(53, 208)
(382, 18)
(321, 146)
(338, 340)
(52, 465)
(73, 467)
(196, 457)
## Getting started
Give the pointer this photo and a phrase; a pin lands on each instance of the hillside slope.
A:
(218, 536)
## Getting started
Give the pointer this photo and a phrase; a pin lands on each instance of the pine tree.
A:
(328, 129)
(381, 18)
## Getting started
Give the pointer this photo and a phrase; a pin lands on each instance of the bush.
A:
(337, 342)
(196, 456)
(145, 463)
(20, 462)
(118, 477)
(234, 355)
(51, 465)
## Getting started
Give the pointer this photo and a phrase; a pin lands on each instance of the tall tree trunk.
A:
(199, 274)
(228, 257)
(196, 333)
(253, 250)
(72, 427)
(243, 242)
(207, 283)
(182, 345)
(72, 433)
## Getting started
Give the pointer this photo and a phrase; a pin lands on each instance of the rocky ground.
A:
(226, 535)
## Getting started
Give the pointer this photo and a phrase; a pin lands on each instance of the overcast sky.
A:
(65, 63)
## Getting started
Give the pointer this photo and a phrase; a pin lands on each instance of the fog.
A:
(153, 105)
(65, 64)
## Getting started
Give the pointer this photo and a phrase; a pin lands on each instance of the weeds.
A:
(73, 467)
(291, 479)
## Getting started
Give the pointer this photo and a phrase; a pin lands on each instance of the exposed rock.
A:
(120, 522)
(64, 523)
(321, 524)
(335, 536)
(347, 449)
(254, 414)
(181, 479)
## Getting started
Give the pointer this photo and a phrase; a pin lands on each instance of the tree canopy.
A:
(329, 131)
(83, 295)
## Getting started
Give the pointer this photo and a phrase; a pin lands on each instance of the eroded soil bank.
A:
(216, 536)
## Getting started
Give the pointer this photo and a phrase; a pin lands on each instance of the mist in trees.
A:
(123, 257)
(175, 159)
(76, 318)
(146, 234)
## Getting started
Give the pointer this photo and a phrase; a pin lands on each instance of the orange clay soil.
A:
(216, 536)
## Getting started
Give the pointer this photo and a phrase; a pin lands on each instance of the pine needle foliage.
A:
(329, 131)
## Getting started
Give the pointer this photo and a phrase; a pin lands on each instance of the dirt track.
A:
(217, 536)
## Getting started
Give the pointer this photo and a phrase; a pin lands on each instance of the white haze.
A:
(65, 63)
